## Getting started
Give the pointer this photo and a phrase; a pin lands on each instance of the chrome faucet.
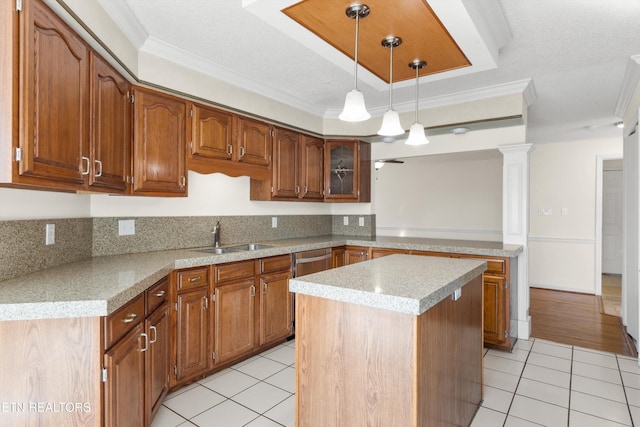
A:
(216, 235)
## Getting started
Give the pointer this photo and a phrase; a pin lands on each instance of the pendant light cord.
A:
(417, 94)
(355, 62)
(391, 77)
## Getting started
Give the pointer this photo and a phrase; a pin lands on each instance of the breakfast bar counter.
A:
(394, 341)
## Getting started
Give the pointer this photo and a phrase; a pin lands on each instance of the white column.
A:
(515, 223)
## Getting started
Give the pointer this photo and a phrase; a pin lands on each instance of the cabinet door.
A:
(312, 168)
(159, 134)
(124, 388)
(275, 307)
(110, 127)
(354, 255)
(286, 154)
(54, 91)
(235, 319)
(495, 331)
(337, 257)
(212, 132)
(157, 360)
(254, 142)
(192, 334)
(341, 170)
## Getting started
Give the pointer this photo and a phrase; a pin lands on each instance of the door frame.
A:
(599, 207)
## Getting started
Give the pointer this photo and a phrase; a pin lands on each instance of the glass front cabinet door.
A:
(341, 172)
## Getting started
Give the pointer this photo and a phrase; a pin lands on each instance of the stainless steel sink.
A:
(237, 248)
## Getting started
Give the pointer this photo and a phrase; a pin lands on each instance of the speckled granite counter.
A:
(404, 283)
(99, 286)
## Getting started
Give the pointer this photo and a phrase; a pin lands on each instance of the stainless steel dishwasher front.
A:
(313, 261)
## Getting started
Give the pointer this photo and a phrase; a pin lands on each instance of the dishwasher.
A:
(313, 261)
(308, 262)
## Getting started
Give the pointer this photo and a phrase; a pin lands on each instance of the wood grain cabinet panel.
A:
(495, 313)
(312, 168)
(124, 388)
(355, 254)
(109, 159)
(235, 319)
(275, 307)
(254, 142)
(159, 144)
(212, 133)
(192, 335)
(54, 92)
(156, 360)
(286, 159)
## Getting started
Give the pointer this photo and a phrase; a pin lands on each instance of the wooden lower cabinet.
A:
(275, 307)
(136, 366)
(124, 388)
(234, 319)
(192, 329)
(156, 360)
(354, 254)
(495, 310)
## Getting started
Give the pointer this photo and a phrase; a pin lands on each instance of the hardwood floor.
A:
(575, 319)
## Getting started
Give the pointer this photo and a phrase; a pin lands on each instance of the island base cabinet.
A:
(359, 365)
(51, 374)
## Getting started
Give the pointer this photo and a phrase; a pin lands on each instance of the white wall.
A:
(562, 247)
(29, 204)
(209, 195)
(455, 196)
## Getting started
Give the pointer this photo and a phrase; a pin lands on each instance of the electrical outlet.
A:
(50, 235)
(564, 211)
(126, 227)
(274, 222)
(361, 221)
(345, 220)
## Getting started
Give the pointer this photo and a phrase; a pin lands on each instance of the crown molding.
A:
(126, 21)
(629, 85)
(169, 52)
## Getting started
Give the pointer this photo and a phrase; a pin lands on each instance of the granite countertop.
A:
(100, 285)
(404, 283)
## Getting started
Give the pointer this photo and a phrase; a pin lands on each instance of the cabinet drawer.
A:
(234, 270)
(120, 322)
(157, 294)
(188, 279)
(494, 265)
(275, 263)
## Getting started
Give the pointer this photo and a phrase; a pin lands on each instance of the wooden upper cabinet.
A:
(54, 125)
(286, 155)
(212, 133)
(341, 170)
(254, 142)
(312, 168)
(110, 127)
(159, 144)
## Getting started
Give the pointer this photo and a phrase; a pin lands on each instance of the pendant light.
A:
(354, 109)
(416, 132)
(391, 120)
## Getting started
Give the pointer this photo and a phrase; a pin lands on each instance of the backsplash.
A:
(23, 249)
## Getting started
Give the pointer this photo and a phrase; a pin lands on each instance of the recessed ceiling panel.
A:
(423, 35)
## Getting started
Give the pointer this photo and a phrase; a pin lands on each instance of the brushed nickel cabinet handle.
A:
(130, 318)
(195, 279)
(99, 164)
(146, 342)
(155, 334)
(86, 171)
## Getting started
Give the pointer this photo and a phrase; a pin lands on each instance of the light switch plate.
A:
(361, 221)
(274, 222)
(345, 220)
(545, 211)
(126, 227)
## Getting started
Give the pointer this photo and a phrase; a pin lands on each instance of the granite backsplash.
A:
(23, 249)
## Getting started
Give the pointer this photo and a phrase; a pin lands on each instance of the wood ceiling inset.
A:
(423, 35)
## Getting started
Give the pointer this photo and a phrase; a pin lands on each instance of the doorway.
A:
(612, 237)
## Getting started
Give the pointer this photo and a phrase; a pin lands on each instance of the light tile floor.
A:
(540, 383)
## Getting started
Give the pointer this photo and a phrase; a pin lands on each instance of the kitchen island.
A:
(394, 341)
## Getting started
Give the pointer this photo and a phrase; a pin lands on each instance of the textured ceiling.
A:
(575, 52)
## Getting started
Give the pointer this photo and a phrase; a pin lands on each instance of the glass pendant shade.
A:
(417, 135)
(354, 109)
(391, 124)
